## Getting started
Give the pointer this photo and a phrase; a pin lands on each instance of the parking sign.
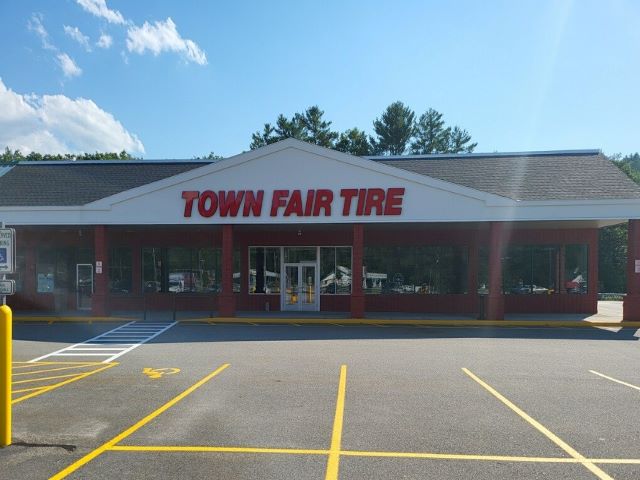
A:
(7, 250)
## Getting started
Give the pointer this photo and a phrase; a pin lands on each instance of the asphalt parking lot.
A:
(327, 401)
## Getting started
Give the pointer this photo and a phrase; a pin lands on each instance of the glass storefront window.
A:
(152, 269)
(20, 269)
(415, 269)
(180, 270)
(120, 266)
(335, 270)
(51, 271)
(530, 269)
(299, 254)
(264, 270)
(576, 258)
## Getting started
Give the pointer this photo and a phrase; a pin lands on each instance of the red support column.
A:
(226, 299)
(495, 299)
(357, 293)
(592, 279)
(631, 303)
(472, 276)
(561, 274)
(101, 287)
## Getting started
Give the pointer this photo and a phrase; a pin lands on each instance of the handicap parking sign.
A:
(7, 250)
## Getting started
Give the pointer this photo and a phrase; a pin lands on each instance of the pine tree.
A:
(315, 129)
(393, 130)
(459, 141)
(431, 134)
(355, 142)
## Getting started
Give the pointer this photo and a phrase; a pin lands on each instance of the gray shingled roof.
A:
(585, 175)
(66, 184)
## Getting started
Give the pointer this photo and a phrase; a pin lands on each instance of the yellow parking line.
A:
(31, 380)
(27, 390)
(183, 448)
(32, 372)
(32, 364)
(541, 428)
(333, 462)
(456, 456)
(48, 388)
(359, 453)
(615, 380)
(141, 423)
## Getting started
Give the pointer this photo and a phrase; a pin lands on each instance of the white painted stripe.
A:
(145, 341)
(82, 355)
(117, 342)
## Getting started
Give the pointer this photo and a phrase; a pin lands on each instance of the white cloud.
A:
(78, 36)
(69, 67)
(36, 26)
(59, 124)
(99, 9)
(105, 41)
(163, 37)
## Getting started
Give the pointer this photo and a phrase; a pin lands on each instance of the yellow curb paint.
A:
(333, 462)
(49, 388)
(630, 385)
(141, 423)
(181, 448)
(541, 428)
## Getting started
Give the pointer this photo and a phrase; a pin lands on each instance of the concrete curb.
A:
(52, 319)
(434, 323)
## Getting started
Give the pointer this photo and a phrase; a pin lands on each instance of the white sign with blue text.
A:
(7, 250)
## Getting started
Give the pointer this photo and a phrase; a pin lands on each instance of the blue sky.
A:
(518, 75)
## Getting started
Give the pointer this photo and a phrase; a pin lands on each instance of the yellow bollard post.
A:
(5, 375)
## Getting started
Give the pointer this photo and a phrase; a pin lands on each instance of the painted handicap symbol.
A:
(155, 373)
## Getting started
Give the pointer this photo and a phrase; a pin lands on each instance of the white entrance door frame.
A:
(304, 293)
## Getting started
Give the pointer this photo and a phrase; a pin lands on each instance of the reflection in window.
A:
(181, 270)
(415, 269)
(120, 264)
(530, 269)
(335, 270)
(52, 270)
(576, 258)
(264, 270)
(152, 269)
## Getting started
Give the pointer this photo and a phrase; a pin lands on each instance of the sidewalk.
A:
(609, 315)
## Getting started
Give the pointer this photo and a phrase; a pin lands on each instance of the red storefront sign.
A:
(309, 203)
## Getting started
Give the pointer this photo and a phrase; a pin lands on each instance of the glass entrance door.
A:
(84, 285)
(301, 287)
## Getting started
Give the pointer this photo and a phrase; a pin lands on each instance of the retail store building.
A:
(293, 226)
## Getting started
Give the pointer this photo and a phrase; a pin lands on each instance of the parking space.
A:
(269, 402)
